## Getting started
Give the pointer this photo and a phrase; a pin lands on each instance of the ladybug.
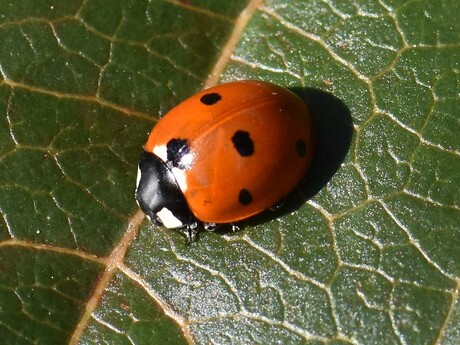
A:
(223, 155)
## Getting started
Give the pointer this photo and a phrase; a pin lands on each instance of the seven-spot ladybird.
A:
(223, 155)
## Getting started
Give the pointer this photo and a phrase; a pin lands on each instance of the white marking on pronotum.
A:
(181, 178)
(168, 219)
(161, 152)
(138, 178)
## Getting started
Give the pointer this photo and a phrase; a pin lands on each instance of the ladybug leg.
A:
(235, 227)
(210, 226)
(278, 205)
(191, 231)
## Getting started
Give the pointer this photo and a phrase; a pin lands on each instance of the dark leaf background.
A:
(372, 256)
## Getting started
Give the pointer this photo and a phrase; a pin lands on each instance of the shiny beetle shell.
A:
(235, 149)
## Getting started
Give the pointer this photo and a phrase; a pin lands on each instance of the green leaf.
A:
(372, 257)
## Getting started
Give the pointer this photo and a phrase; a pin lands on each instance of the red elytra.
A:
(241, 148)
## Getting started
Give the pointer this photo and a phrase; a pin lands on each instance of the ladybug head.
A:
(159, 195)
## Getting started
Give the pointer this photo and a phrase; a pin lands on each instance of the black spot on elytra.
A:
(210, 98)
(243, 143)
(245, 197)
(301, 148)
(176, 149)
